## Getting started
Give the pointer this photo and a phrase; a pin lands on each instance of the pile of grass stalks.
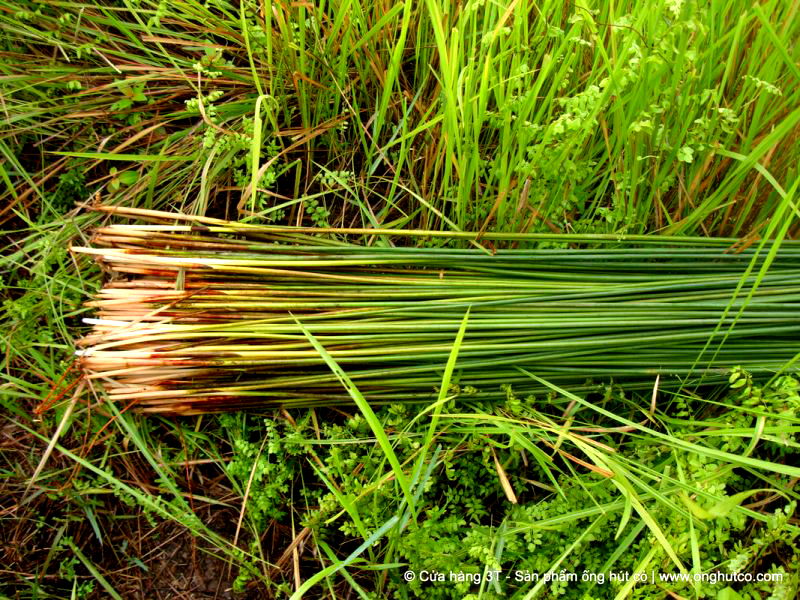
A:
(211, 315)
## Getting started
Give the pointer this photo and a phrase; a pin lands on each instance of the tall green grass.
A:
(503, 118)
(676, 117)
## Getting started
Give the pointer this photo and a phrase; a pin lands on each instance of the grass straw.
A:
(597, 310)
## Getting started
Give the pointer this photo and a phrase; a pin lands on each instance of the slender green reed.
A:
(212, 317)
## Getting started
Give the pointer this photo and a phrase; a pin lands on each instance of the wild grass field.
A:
(677, 120)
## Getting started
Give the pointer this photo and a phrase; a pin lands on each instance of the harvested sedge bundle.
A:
(203, 318)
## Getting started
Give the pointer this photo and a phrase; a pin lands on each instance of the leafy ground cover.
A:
(662, 118)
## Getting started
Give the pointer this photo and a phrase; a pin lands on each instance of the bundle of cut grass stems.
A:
(202, 315)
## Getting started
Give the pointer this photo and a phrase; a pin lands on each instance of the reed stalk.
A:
(206, 316)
